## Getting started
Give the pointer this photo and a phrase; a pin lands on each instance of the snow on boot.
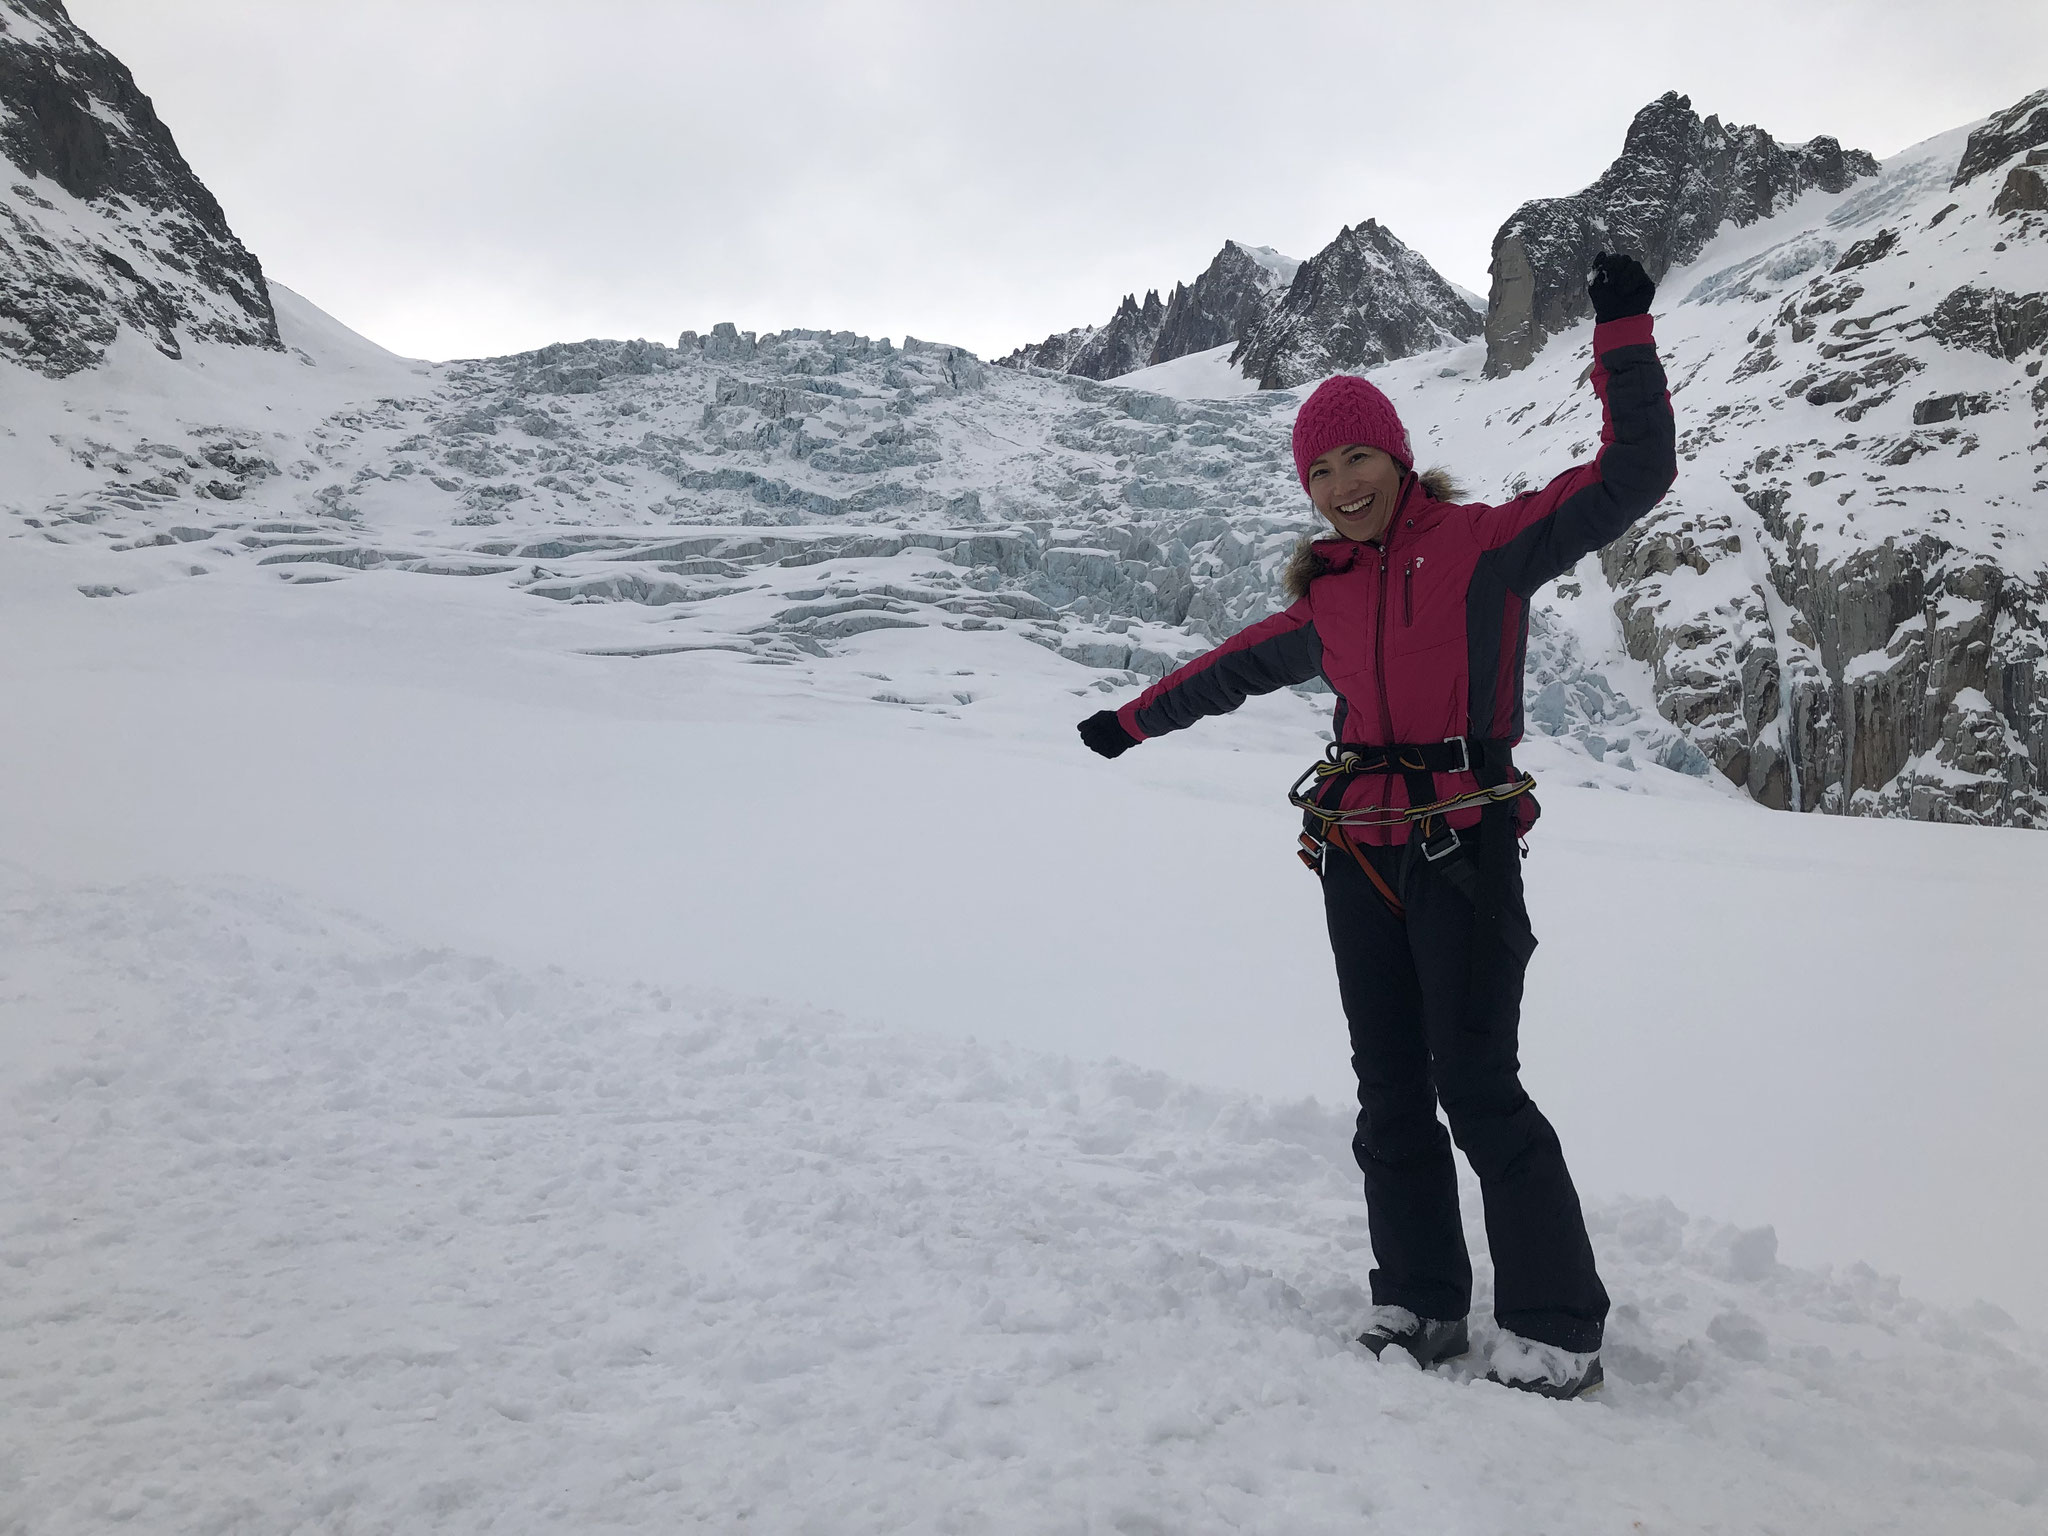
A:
(1544, 1369)
(1430, 1340)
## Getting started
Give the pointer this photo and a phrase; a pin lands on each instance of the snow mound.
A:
(319, 338)
(307, 1228)
(1206, 375)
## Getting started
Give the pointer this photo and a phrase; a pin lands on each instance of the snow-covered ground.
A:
(311, 1228)
(312, 1220)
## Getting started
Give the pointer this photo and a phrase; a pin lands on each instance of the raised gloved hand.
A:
(1105, 734)
(1619, 287)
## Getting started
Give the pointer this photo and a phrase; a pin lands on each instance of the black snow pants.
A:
(1434, 1022)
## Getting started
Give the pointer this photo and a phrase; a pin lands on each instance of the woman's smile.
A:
(1356, 487)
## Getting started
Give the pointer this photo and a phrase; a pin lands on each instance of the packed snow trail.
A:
(308, 1231)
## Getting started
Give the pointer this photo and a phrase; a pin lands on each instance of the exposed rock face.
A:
(2025, 190)
(1363, 300)
(2021, 126)
(1833, 603)
(1125, 344)
(1225, 304)
(1236, 292)
(1100, 352)
(1902, 680)
(1678, 180)
(102, 223)
(1055, 352)
(2006, 325)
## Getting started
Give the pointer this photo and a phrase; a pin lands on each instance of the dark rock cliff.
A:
(1363, 300)
(1678, 180)
(1099, 352)
(1225, 304)
(102, 223)
(2021, 126)
(1125, 343)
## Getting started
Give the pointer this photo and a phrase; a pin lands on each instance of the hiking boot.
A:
(1430, 1340)
(1544, 1369)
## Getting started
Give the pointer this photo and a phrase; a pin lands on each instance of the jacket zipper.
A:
(1379, 656)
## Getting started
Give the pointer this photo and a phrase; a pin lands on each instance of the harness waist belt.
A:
(1454, 754)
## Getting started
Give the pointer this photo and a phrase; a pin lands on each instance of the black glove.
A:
(1105, 734)
(1619, 288)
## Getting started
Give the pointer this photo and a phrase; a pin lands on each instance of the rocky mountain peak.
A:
(1678, 180)
(1228, 301)
(1233, 294)
(102, 223)
(1363, 300)
(1125, 344)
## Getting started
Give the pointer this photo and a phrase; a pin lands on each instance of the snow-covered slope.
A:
(310, 1228)
(1208, 375)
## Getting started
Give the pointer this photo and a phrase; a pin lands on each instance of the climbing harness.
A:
(1417, 764)
(1438, 843)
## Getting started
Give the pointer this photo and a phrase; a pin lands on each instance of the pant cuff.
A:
(1565, 1332)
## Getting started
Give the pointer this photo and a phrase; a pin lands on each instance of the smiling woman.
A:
(1416, 615)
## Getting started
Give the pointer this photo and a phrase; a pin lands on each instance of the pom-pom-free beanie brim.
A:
(1346, 409)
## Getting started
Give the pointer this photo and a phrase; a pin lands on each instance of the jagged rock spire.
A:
(1678, 180)
(1225, 303)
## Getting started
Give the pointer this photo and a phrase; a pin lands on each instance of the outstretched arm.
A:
(1543, 534)
(1272, 653)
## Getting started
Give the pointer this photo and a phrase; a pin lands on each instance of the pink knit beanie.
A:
(1344, 410)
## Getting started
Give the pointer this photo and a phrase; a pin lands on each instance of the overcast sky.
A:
(468, 177)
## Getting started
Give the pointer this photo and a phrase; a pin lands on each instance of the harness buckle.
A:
(1464, 746)
(1435, 849)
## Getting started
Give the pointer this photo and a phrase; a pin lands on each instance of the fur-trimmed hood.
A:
(1305, 565)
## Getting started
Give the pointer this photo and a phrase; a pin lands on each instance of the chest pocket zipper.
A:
(1408, 591)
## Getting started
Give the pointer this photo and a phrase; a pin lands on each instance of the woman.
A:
(1416, 613)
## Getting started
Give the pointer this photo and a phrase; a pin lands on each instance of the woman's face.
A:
(1355, 487)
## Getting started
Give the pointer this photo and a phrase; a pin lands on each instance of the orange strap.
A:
(1339, 838)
